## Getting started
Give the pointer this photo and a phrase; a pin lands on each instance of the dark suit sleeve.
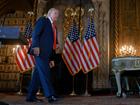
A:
(52, 56)
(36, 34)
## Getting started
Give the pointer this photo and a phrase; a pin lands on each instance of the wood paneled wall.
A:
(125, 25)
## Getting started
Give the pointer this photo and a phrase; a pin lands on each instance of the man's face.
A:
(55, 15)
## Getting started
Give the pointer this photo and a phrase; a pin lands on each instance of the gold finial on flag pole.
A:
(91, 11)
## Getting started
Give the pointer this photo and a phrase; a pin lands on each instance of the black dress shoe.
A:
(34, 100)
(52, 99)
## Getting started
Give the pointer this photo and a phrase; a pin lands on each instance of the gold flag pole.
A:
(73, 78)
(86, 91)
(73, 92)
(20, 76)
(91, 13)
(20, 85)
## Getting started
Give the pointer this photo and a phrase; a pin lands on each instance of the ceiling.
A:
(8, 6)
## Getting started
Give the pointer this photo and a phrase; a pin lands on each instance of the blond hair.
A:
(50, 11)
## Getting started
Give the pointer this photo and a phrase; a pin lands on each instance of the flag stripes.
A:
(71, 56)
(71, 50)
(77, 55)
(90, 49)
(24, 60)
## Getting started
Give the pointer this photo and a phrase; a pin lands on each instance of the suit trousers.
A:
(41, 76)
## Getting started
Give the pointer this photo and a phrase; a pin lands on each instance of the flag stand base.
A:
(73, 94)
(39, 93)
(20, 92)
(87, 94)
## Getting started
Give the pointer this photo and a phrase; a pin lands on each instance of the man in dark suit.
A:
(44, 42)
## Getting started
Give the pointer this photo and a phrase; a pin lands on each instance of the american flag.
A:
(25, 61)
(90, 48)
(72, 49)
(28, 30)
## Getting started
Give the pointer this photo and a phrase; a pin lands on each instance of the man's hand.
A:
(57, 46)
(57, 50)
(36, 51)
(51, 64)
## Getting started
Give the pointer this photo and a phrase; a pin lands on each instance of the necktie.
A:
(54, 35)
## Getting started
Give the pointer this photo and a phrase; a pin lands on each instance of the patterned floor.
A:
(14, 99)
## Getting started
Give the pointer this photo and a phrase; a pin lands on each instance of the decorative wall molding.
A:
(101, 75)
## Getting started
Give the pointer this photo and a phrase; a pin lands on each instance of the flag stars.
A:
(73, 35)
(90, 31)
(28, 30)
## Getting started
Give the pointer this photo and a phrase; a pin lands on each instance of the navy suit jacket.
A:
(42, 37)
